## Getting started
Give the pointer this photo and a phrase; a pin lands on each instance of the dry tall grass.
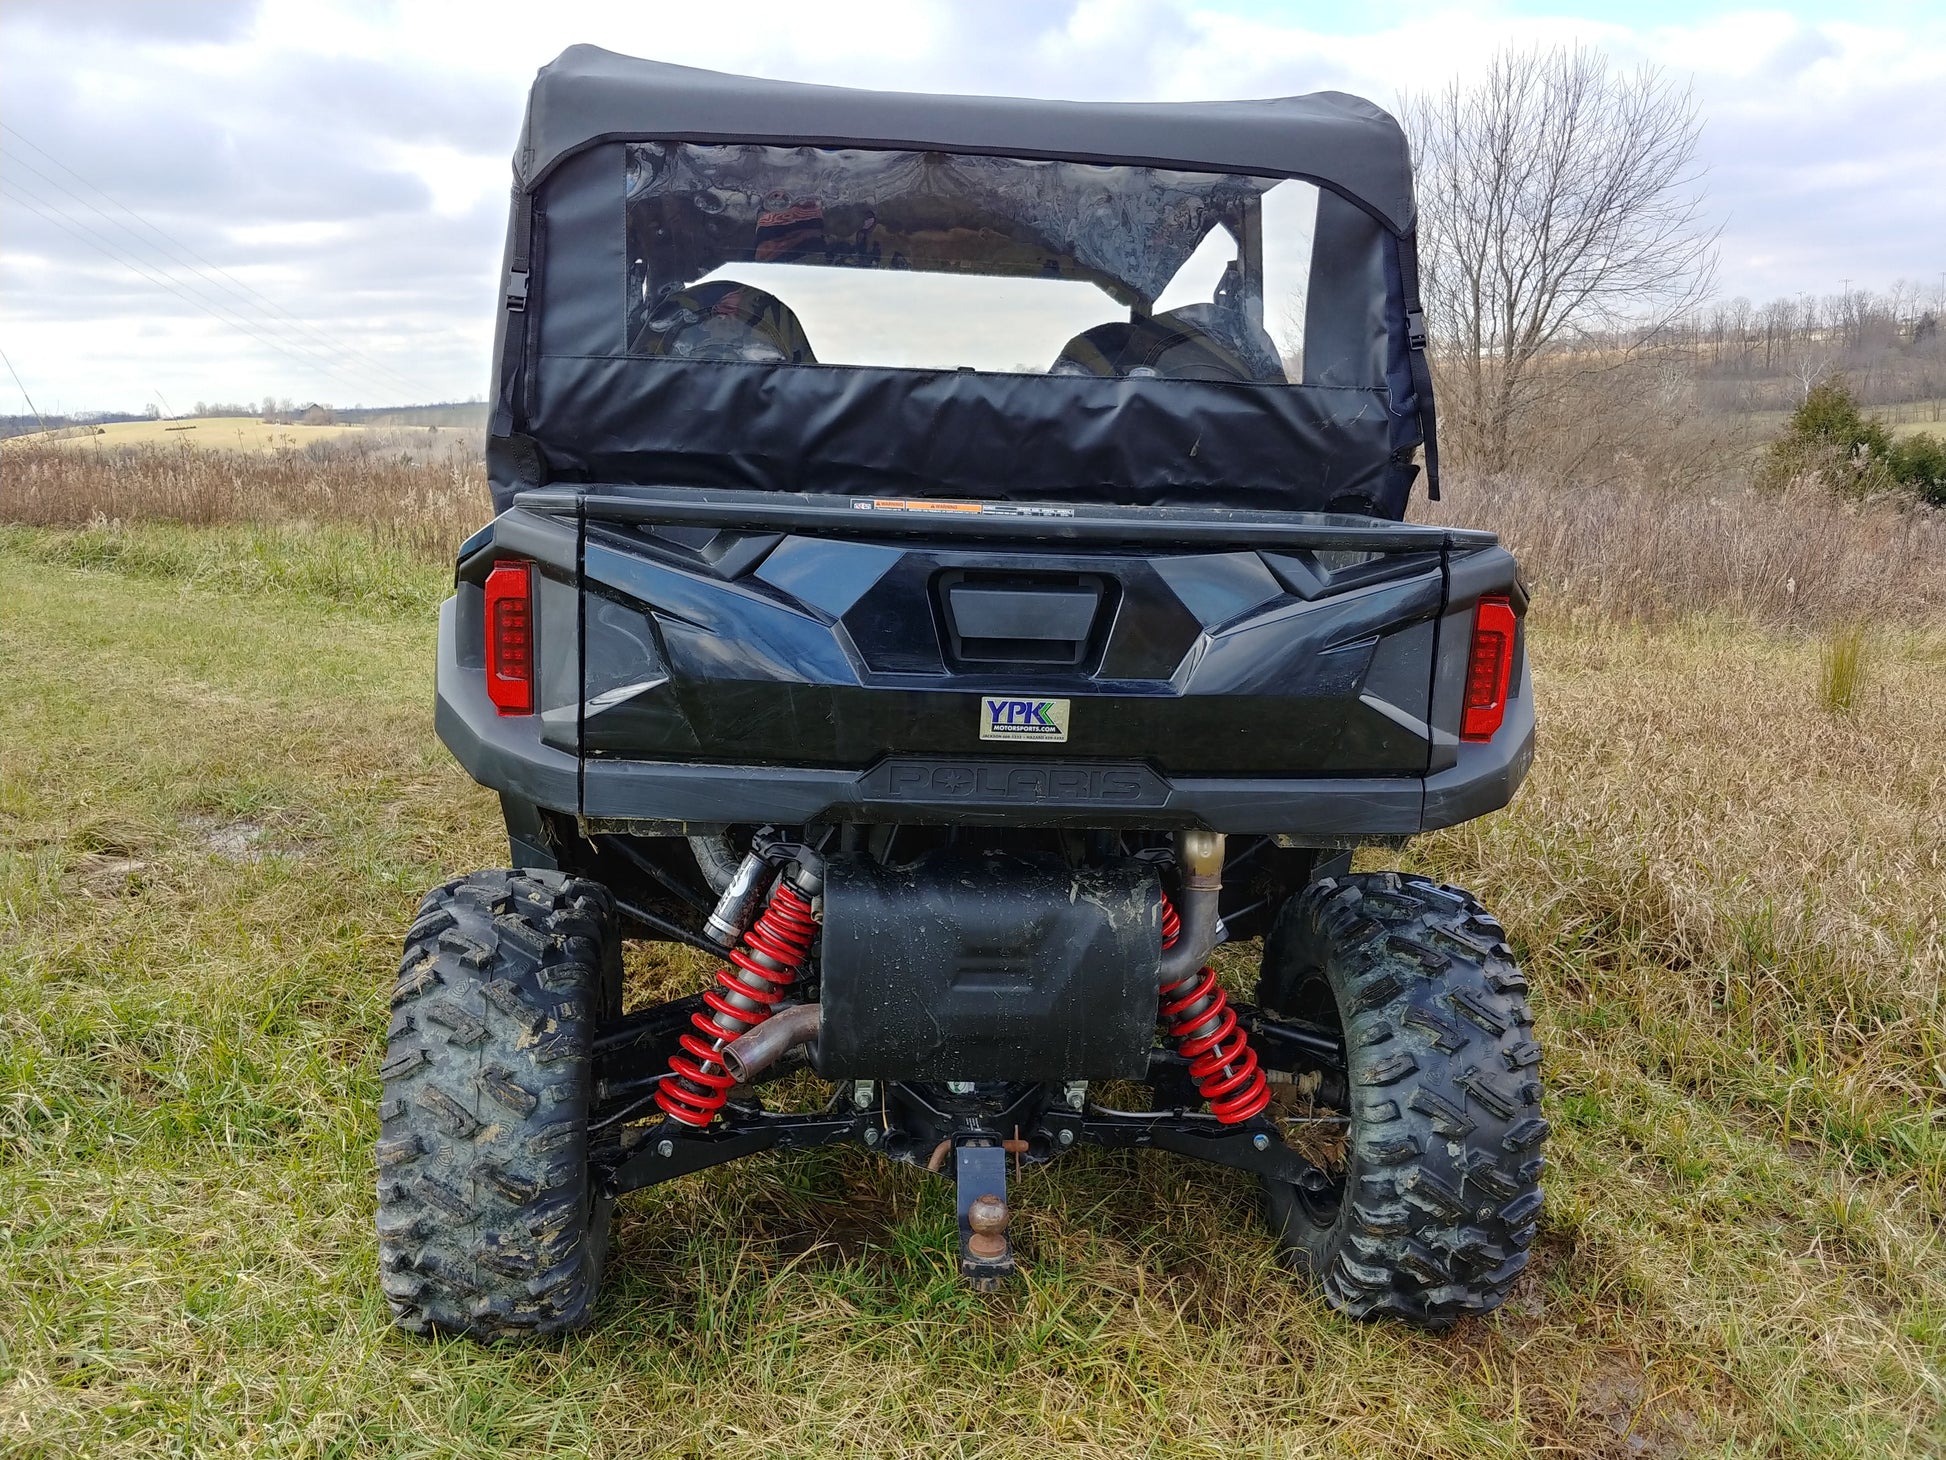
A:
(390, 485)
(1797, 558)
(1800, 558)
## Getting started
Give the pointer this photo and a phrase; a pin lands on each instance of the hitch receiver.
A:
(986, 1254)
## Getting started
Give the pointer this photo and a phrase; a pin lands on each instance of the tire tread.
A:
(1443, 1184)
(486, 1223)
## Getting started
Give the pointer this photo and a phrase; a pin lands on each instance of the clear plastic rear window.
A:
(940, 261)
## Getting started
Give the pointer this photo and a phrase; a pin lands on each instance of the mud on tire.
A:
(1441, 1185)
(487, 1222)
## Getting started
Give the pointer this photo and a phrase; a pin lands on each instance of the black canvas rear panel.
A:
(942, 434)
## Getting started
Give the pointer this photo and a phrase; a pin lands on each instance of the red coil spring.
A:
(1199, 1018)
(768, 957)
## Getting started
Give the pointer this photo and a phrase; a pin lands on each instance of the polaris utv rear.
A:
(949, 568)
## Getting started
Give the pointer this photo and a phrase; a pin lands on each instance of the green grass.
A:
(220, 799)
(307, 563)
(1841, 669)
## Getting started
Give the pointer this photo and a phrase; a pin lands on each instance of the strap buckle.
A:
(516, 291)
(1415, 329)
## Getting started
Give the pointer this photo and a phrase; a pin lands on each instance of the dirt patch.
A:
(1617, 1394)
(234, 841)
(838, 1243)
(101, 875)
(242, 839)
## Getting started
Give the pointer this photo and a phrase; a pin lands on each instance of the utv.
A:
(950, 568)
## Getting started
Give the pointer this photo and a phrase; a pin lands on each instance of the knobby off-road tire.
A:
(488, 1225)
(1441, 1184)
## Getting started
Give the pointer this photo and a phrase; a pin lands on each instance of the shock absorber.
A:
(1197, 1014)
(766, 962)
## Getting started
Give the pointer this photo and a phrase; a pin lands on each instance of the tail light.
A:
(1489, 669)
(510, 637)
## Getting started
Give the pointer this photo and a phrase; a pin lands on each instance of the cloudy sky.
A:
(343, 163)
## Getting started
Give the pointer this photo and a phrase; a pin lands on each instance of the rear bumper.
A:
(508, 755)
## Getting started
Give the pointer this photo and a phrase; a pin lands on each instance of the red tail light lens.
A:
(1489, 668)
(510, 637)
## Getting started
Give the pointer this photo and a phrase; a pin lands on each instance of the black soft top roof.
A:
(589, 96)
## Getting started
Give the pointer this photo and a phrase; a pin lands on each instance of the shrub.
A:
(1919, 463)
(1830, 440)
(1830, 416)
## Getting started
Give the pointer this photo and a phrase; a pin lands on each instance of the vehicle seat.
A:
(725, 320)
(1182, 344)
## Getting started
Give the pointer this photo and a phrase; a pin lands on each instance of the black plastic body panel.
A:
(763, 668)
(988, 967)
(1195, 678)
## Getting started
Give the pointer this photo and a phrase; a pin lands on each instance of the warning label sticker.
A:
(978, 509)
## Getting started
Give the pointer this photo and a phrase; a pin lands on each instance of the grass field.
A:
(220, 799)
(1908, 418)
(229, 433)
(1913, 427)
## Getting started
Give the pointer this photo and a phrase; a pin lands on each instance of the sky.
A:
(222, 200)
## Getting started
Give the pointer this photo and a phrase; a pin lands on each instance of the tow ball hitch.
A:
(986, 1255)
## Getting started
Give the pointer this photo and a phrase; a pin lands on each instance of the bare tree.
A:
(1558, 198)
(1809, 367)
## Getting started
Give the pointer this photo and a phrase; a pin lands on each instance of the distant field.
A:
(1911, 416)
(1905, 419)
(236, 433)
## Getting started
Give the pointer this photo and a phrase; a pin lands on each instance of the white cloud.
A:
(349, 159)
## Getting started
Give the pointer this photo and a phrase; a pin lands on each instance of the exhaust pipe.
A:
(716, 859)
(1200, 856)
(751, 1054)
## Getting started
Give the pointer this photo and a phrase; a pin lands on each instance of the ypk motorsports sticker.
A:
(1045, 720)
